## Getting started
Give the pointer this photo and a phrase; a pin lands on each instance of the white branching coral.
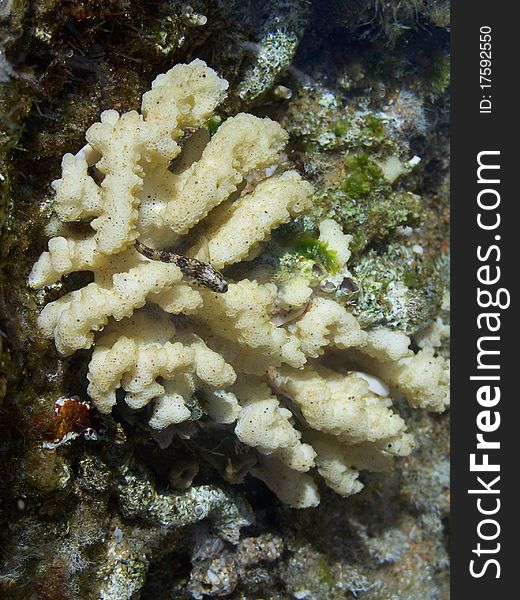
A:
(252, 354)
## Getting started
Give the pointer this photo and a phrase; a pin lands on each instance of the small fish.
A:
(201, 272)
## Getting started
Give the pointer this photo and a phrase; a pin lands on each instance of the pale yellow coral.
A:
(338, 242)
(434, 335)
(252, 218)
(333, 464)
(242, 316)
(182, 98)
(247, 358)
(222, 406)
(292, 487)
(241, 144)
(183, 367)
(264, 424)
(341, 405)
(327, 323)
(293, 294)
(73, 319)
(423, 378)
(387, 345)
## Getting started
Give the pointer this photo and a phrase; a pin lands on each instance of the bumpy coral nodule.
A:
(254, 358)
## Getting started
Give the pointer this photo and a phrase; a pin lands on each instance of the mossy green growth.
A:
(296, 251)
(313, 249)
(363, 175)
(375, 127)
(341, 127)
(212, 124)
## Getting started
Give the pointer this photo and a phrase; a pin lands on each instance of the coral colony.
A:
(280, 361)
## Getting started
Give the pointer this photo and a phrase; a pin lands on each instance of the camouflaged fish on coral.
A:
(203, 273)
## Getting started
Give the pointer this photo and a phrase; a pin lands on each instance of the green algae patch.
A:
(212, 124)
(313, 249)
(375, 127)
(341, 127)
(363, 175)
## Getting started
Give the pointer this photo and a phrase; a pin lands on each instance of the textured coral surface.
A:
(242, 353)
